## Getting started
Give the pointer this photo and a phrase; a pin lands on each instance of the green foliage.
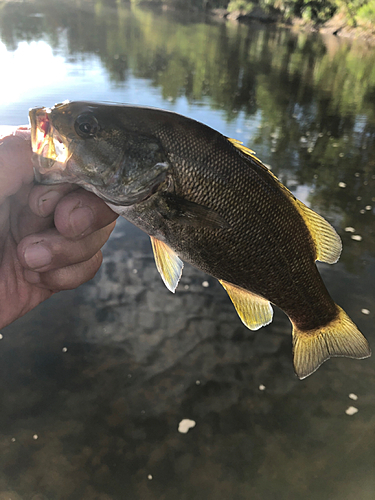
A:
(241, 5)
(367, 12)
(318, 11)
(350, 8)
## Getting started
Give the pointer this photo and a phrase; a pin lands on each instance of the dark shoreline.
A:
(337, 25)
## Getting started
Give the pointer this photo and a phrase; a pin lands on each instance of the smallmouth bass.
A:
(205, 199)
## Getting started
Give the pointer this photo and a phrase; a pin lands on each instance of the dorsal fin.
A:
(253, 310)
(247, 151)
(327, 242)
(168, 264)
(241, 147)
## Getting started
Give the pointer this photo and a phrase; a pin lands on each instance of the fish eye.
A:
(86, 125)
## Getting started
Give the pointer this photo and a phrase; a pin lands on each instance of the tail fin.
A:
(339, 338)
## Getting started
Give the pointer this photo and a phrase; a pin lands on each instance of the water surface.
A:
(95, 381)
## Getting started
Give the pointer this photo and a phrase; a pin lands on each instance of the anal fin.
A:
(253, 310)
(168, 263)
(340, 338)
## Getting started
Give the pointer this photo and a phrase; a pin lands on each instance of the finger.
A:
(81, 213)
(22, 131)
(43, 199)
(50, 250)
(66, 278)
(38, 215)
(24, 222)
(6, 130)
(16, 173)
(15, 165)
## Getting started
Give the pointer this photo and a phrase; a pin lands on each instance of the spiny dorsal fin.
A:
(327, 241)
(253, 310)
(247, 151)
(340, 338)
(241, 147)
(168, 264)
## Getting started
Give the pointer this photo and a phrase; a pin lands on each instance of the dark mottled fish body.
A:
(210, 171)
(209, 202)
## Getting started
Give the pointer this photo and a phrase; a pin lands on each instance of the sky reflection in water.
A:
(95, 382)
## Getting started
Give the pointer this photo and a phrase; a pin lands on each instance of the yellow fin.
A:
(168, 264)
(340, 338)
(327, 241)
(241, 147)
(247, 151)
(253, 310)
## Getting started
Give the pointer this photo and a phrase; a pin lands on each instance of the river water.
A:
(95, 382)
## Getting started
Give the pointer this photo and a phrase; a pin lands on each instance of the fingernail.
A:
(48, 202)
(81, 219)
(37, 255)
(31, 276)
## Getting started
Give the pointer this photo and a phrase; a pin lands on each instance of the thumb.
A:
(16, 168)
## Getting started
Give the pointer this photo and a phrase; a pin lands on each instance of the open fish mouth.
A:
(49, 148)
(61, 155)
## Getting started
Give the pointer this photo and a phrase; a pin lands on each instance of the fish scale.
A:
(242, 226)
(207, 200)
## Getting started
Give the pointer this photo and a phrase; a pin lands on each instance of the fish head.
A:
(92, 145)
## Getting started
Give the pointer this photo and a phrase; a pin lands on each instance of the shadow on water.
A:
(95, 381)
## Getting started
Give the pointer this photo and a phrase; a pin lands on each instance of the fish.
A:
(205, 199)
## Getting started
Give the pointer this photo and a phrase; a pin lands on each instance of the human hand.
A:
(50, 236)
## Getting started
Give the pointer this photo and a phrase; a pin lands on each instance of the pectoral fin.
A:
(190, 213)
(253, 310)
(168, 264)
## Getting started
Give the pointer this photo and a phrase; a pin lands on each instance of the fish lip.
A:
(50, 150)
(51, 174)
